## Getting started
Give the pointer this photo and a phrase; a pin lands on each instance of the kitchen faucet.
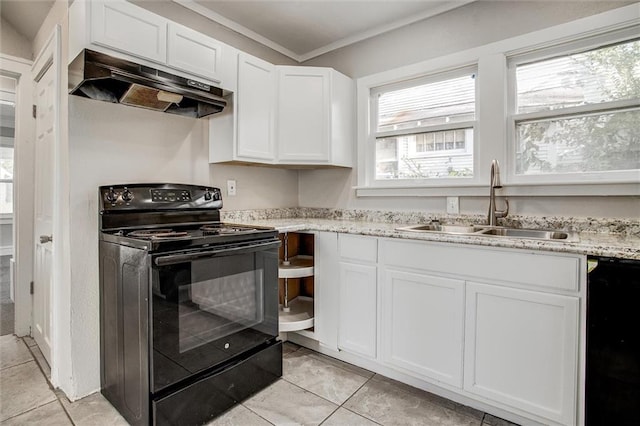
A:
(495, 183)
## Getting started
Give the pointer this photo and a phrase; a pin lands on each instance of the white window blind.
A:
(423, 129)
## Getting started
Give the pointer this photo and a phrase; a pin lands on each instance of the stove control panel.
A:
(159, 197)
(170, 195)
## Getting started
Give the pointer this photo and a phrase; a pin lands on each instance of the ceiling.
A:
(26, 16)
(300, 29)
(304, 29)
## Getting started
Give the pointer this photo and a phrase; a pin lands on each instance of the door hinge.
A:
(34, 111)
(31, 287)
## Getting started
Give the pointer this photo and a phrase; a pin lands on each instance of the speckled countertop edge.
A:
(588, 242)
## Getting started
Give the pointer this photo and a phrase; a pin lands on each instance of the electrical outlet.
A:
(231, 188)
(453, 205)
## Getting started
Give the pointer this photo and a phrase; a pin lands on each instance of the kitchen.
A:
(175, 149)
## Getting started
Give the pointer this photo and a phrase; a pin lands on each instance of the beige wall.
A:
(13, 43)
(184, 16)
(473, 25)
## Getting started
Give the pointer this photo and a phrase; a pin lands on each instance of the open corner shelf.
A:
(296, 276)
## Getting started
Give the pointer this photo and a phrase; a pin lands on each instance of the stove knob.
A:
(207, 195)
(216, 196)
(111, 196)
(127, 195)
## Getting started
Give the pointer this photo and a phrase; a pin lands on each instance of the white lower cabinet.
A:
(422, 325)
(358, 306)
(493, 325)
(358, 294)
(522, 349)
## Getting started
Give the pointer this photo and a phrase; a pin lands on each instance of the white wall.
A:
(473, 25)
(13, 43)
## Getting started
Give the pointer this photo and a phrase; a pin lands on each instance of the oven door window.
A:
(206, 311)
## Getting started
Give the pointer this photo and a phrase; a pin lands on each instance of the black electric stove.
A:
(188, 304)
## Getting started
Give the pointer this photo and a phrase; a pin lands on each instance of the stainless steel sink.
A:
(538, 234)
(436, 227)
(490, 231)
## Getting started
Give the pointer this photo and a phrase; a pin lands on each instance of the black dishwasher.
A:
(613, 342)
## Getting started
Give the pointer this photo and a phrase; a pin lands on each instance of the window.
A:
(578, 113)
(423, 129)
(7, 119)
(559, 108)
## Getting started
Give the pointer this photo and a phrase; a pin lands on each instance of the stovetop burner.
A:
(159, 234)
(224, 229)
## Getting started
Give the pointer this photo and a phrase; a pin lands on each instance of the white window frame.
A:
(8, 217)
(514, 117)
(491, 133)
(431, 78)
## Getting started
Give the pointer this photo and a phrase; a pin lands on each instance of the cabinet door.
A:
(522, 349)
(304, 113)
(326, 289)
(194, 52)
(422, 325)
(130, 29)
(357, 312)
(256, 104)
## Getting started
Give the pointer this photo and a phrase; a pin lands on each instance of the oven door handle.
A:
(189, 257)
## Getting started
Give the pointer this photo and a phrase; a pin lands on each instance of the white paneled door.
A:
(44, 178)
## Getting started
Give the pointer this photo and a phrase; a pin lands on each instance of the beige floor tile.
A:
(93, 410)
(288, 347)
(343, 417)
(343, 365)
(321, 376)
(285, 404)
(13, 352)
(239, 415)
(51, 414)
(390, 404)
(23, 388)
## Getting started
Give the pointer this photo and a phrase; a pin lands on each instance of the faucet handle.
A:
(505, 212)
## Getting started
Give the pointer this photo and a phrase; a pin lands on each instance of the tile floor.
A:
(314, 390)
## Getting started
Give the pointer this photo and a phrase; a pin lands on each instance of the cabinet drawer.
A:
(553, 271)
(358, 247)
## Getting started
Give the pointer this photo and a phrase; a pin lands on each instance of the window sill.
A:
(509, 190)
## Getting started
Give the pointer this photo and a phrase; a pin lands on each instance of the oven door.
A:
(210, 305)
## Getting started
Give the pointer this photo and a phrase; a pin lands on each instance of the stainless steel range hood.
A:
(102, 77)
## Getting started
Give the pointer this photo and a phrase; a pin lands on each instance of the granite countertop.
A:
(609, 244)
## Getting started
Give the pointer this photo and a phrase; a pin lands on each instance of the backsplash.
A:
(576, 224)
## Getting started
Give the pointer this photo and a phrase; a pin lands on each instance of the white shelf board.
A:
(298, 267)
(299, 317)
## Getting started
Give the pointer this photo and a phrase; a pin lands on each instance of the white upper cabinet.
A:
(130, 29)
(141, 36)
(201, 55)
(244, 131)
(255, 109)
(304, 111)
(315, 116)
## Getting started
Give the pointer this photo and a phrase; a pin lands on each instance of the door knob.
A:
(46, 239)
